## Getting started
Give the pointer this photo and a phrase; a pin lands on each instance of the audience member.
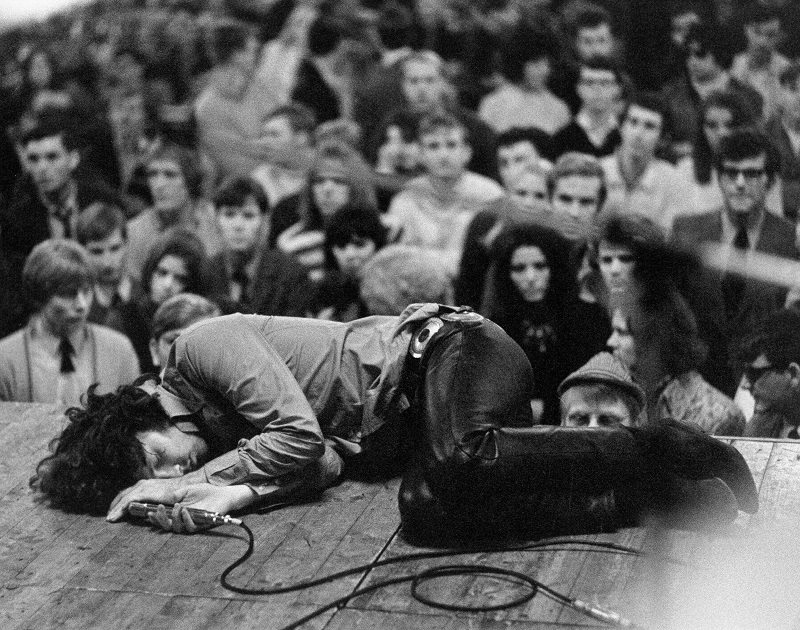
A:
(174, 178)
(761, 64)
(636, 180)
(102, 230)
(529, 187)
(254, 279)
(707, 70)
(425, 90)
(747, 166)
(519, 147)
(783, 129)
(400, 275)
(601, 394)
(174, 316)
(595, 128)
(535, 301)
(772, 375)
(47, 200)
(525, 99)
(657, 340)
(337, 177)
(289, 128)
(720, 113)
(577, 191)
(58, 354)
(226, 125)
(176, 263)
(434, 210)
(352, 237)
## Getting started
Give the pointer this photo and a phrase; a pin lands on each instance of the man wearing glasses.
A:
(747, 165)
(772, 376)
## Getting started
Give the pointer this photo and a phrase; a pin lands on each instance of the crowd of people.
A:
(561, 167)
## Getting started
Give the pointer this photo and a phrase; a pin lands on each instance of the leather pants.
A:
(480, 468)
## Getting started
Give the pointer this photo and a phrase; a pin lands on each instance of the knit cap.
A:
(604, 367)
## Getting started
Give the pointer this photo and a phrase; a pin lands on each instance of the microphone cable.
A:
(417, 579)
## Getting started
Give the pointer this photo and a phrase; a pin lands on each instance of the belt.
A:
(434, 329)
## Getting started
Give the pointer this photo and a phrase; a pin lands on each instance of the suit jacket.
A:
(759, 299)
(312, 91)
(790, 167)
(24, 220)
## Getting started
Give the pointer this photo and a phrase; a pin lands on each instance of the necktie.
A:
(67, 351)
(741, 240)
(733, 285)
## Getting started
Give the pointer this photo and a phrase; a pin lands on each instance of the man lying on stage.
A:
(255, 409)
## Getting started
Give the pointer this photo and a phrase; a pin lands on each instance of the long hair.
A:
(97, 455)
(507, 300)
(187, 246)
(336, 156)
(741, 116)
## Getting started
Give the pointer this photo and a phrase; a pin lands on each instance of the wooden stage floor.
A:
(68, 571)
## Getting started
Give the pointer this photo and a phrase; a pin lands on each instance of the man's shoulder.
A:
(704, 226)
(778, 236)
(475, 185)
(11, 343)
(110, 338)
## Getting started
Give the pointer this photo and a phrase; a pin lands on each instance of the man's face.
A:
(170, 277)
(598, 89)
(621, 340)
(444, 152)
(65, 314)
(640, 131)
(423, 85)
(616, 265)
(774, 389)
(172, 453)
(108, 257)
(50, 163)
(595, 41)
(530, 189)
(240, 225)
(577, 199)
(167, 186)
(512, 159)
(582, 406)
(744, 185)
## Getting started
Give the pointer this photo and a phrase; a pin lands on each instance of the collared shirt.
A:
(266, 389)
(48, 384)
(597, 134)
(660, 194)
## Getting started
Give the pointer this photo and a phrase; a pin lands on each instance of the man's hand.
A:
(203, 496)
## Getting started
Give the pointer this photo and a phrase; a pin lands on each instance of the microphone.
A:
(200, 517)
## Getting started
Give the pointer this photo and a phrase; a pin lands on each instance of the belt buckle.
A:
(423, 336)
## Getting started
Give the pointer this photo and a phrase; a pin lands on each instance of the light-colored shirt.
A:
(30, 364)
(426, 219)
(284, 382)
(660, 194)
(511, 106)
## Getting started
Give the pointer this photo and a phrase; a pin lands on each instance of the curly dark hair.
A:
(97, 455)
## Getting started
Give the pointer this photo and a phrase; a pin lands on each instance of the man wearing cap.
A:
(254, 409)
(601, 393)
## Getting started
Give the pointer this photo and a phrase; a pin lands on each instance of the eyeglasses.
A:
(752, 374)
(749, 174)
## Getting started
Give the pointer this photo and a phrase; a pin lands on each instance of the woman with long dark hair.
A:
(535, 299)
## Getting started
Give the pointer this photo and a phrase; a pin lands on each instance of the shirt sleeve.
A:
(229, 359)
